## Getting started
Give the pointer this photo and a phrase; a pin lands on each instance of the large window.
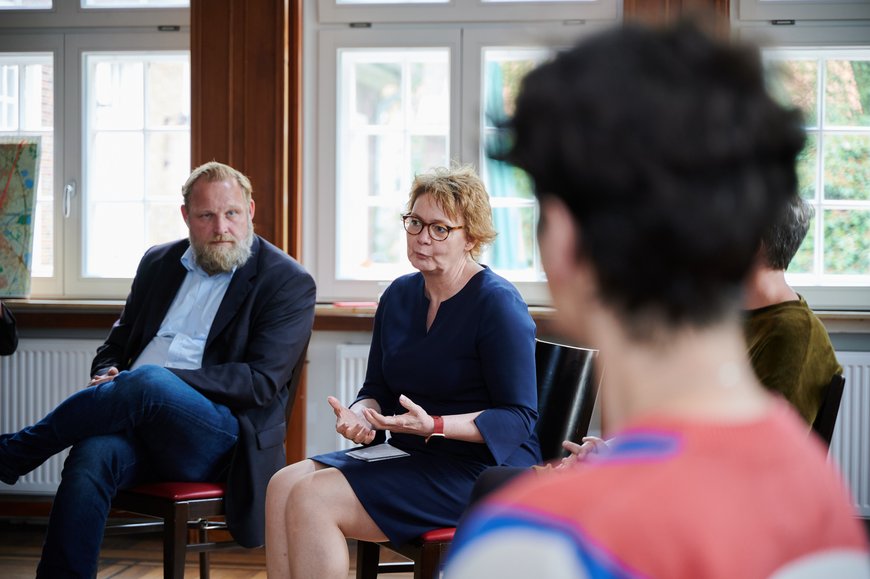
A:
(112, 109)
(832, 87)
(393, 122)
(137, 154)
(515, 213)
(824, 69)
(26, 108)
(397, 101)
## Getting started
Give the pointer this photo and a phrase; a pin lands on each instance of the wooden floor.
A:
(131, 557)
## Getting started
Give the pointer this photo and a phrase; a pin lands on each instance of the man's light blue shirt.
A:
(180, 341)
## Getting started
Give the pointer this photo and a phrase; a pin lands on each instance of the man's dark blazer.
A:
(258, 333)
(8, 332)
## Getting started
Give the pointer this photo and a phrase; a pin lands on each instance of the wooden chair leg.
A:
(429, 565)
(175, 543)
(204, 559)
(367, 559)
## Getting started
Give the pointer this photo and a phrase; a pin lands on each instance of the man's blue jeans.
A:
(145, 425)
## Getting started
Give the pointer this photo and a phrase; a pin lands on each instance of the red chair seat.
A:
(438, 535)
(181, 491)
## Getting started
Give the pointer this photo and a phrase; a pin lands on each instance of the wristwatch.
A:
(439, 428)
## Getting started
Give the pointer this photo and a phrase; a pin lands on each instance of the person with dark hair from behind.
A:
(789, 347)
(190, 384)
(8, 331)
(659, 159)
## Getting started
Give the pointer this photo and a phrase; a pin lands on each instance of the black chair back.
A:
(567, 389)
(826, 419)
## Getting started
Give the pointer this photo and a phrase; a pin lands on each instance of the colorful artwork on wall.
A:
(19, 161)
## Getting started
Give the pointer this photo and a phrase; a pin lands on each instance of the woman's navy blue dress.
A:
(479, 354)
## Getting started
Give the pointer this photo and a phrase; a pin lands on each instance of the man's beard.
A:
(218, 258)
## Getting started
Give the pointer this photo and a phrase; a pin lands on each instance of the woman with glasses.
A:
(451, 376)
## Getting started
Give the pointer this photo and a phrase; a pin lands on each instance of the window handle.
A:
(68, 193)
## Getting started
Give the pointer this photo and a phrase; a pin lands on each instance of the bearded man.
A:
(191, 383)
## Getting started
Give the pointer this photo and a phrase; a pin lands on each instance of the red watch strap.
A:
(439, 427)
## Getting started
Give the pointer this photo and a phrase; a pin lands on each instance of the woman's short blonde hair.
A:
(460, 193)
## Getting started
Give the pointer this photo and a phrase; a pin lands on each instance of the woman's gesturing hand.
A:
(579, 452)
(351, 425)
(415, 421)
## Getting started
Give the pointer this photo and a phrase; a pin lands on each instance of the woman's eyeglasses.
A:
(437, 231)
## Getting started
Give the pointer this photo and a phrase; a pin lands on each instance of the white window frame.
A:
(52, 43)
(61, 30)
(330, 43)
(331, 11)
(835, 35)
(761, 10)
(466, 41)
(75, 284)
(475, 41)
(69, 14)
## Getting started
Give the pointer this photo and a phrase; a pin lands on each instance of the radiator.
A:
(33, 381)
(351, 364)
(850, 446)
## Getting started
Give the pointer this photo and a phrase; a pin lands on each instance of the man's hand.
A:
(415, 421)
(107, 377)
(351, 425)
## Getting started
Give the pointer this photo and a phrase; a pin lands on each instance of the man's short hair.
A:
(780, 243)
(214, 171)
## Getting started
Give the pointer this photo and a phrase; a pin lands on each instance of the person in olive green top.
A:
(789, 347)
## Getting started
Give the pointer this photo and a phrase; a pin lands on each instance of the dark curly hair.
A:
(672, 158)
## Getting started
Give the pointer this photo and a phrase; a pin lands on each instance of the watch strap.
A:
(439, 428)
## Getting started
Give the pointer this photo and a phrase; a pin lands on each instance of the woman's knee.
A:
(283, 481)
(321, 494)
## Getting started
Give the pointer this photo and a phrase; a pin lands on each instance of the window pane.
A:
(847, 167)
(834, 167)
(138, 153)
(514, 251)
(532, 1)
(808, 167)
(847, 92)
(393, 122)
(115, 89)
(802, 262)
(795, 82)
(135, 3)
(359, 2)
(25, 4)
(117, 228)
(847, 242)
(27, 108)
